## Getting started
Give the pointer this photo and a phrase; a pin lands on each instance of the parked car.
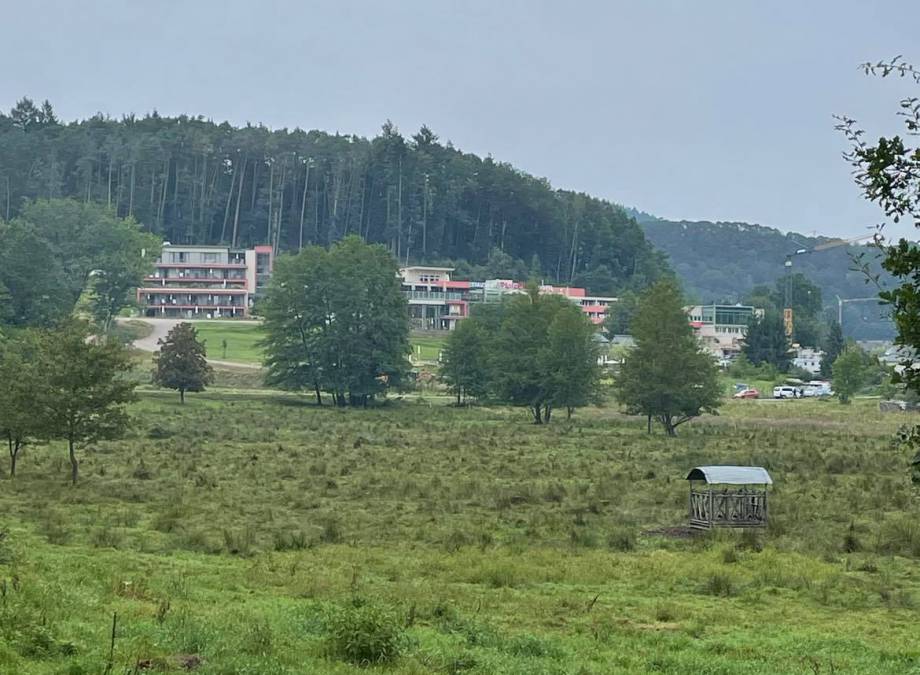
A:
(786, 391)
(746, 393)
(817, 389)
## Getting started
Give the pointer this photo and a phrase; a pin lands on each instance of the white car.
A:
(785, 391)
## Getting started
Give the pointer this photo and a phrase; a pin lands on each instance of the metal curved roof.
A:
(731, 475)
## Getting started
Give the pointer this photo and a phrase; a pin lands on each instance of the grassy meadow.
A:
(243, 341)
(252, 532)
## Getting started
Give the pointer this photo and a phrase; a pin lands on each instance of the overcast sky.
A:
(716, 110)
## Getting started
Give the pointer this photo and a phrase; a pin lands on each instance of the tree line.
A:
(190, 180)
(60, 253)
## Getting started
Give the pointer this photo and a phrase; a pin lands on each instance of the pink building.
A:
(205, 282)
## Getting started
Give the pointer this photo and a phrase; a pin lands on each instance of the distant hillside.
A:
(720, 262)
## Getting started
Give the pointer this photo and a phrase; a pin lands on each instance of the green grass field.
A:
(247, 532)
(243, 342)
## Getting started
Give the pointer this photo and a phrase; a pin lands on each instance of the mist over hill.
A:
(722, 261)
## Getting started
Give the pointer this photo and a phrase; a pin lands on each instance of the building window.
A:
(210, 258)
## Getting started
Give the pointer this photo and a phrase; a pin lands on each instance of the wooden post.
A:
(709, 514)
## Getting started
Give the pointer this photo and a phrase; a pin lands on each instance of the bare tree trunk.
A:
(236, 215)
(223, 228)
(182, 396)
(15, 446)
(399, 220)
(161, 209)
(271, 197)
(131, 192)
(108, 195)
(319, 394)
(74, 466)
(425, 218)
(279, 217)
(303, 206)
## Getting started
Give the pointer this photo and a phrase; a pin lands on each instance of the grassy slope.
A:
(231, 526)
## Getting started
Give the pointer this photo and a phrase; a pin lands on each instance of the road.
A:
(161, 328)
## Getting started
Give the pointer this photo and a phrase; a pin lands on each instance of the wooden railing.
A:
(738, 508)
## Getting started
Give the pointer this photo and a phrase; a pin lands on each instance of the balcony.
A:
(432, 296)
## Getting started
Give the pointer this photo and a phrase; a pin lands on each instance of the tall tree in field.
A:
(297, 316)
(833, 346)
(369, 322)
(337, 321)
(572, 360)
(543, 355)
(181, 363)
(849, 372)
(465, 367)
(87, 388)
(765, 341)
(667, 376)
(22, 408)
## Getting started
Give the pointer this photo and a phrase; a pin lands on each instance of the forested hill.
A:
(188, 179)
(721, 262)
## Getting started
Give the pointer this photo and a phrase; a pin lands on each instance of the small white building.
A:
(808, 359)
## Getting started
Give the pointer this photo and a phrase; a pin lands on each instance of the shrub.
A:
(719, 584)
(621, 539)
(364, 634)
(291, 541)
(331, 532)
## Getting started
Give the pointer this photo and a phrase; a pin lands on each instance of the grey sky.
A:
(716, 110)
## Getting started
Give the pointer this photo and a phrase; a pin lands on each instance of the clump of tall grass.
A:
(364, 634)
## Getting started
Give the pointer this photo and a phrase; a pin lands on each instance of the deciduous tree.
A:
(849, 371)
(22, 388)
(465, 366)
(181, 363)
(88, 390)
(540, 338)
(337, 321)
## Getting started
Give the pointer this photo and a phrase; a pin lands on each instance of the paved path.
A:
(161, 328)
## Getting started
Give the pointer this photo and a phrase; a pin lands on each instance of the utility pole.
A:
(841, 301)
(834, 243)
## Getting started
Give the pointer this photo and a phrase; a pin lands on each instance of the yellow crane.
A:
(834, 243)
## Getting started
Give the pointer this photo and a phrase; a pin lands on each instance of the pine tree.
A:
(833, 346)
(181, 363)
(765, 342)
(667, 376)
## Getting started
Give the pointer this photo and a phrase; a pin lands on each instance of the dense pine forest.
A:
(188, 179)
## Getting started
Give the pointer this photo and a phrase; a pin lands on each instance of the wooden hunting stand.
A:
(744, 504)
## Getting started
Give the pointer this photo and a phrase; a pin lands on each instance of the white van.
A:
(786, 391)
